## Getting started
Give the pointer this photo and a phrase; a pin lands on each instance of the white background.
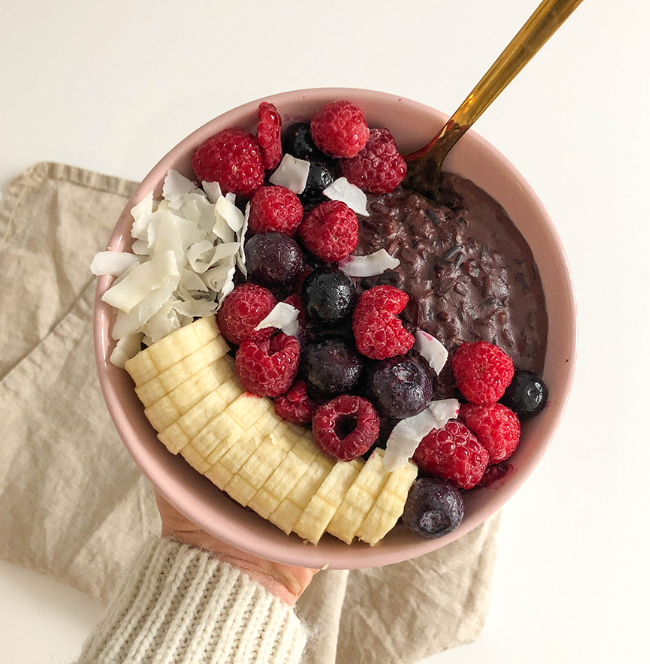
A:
(111, 86)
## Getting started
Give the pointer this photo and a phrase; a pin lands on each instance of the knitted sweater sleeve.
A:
(181, 605)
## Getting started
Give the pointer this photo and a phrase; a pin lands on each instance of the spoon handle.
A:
(545, 20)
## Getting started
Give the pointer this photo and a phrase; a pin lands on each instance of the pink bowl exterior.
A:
(412, 124)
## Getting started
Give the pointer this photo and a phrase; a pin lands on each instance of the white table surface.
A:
(111, 86)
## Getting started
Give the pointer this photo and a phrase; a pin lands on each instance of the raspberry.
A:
(295, 406)
(241, 312)
(496, 427)
(330, 231)
(378, 332)
(340, 129)
(274, 209)
(482, 371)
(268, 134)
(494, 473)
(268, 367)
(453, 454)
(233, 159)
(379, 167)
(346, 427)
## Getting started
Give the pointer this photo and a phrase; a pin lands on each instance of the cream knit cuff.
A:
(178, 604)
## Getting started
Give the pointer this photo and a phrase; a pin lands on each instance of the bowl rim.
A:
(276, 549)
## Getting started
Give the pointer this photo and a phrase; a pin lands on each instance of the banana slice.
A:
(196, 403)
(389, 505)
(326, 501)
(359, 499)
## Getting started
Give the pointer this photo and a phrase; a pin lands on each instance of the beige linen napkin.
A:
(74, 506)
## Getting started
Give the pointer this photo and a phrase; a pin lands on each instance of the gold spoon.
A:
(425, 165)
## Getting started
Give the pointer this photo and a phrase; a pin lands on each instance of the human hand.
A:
(284, 581)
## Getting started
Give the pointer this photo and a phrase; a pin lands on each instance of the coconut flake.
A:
(431, 350)
(167, 237)
(191, 281)
(368, 266)
(139, 315)
(199, 255)
(216, 278)
(193, 308)
(176, 186)
(126, 348)
(142, 214)
(350, 194)
(141, 281)
(141, 248)
(408, 433)
(113, 263)
(163, 322)
(241, 237)
(212, 191)
(231, 213)
(444, 410)
(284, 317)
(228, 287)
(291, 173)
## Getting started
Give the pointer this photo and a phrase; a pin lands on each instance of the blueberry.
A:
(526, 395)
(319, 178)
(297, 141)
(399, 387)
(331, 367)
(328, 296)
(433, 508)
(273, 259)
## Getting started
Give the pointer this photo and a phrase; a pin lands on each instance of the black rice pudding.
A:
(469, 272)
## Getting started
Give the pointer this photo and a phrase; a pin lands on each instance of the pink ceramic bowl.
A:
(412, 124)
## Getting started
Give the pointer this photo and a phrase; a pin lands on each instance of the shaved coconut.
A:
(141, 281)
(231, 197)
(216, 278)
(125, 274)
(191, 281)
(431, 350)
(199, 256)
(189, 231)
(231, 213)
(163, 322)
(141, 248)
(206, 220)
(176, 186)
(195, 308)
(228, 287)
(350, 194)
(224, 250)
(139, 315)
(186, 245)
(167, 236)
(368, 266)
(212, 191)
(142, 214)
(405, 438)
(190, 210)
(113, 263)
(291, 173)
(126, 348)
(241, 237)
(284, 317)
(409, 432)
(444, 410)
